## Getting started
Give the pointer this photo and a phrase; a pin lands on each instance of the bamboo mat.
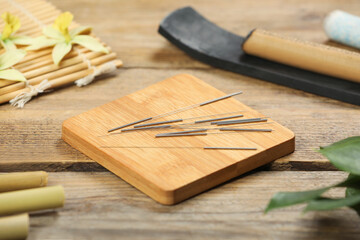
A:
(37, 66)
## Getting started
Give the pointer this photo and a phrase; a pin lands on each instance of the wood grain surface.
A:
(30, 138)
(173, 169)
(100, 206)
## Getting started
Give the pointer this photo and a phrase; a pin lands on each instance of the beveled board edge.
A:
(173, 196)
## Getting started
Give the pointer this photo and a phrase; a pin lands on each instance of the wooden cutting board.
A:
(170, 170)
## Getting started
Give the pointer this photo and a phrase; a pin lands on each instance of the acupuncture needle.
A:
(202, 126)
(249, 120)
(220, 129)
(203, 133)
(181, 120)
(180, 127)
(205, 148)
(177, 111)
(194, 127)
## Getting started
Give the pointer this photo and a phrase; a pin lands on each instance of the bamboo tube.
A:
(22, 180)
(306, 55)
(57, 82)
(14, 227)
(31, 200)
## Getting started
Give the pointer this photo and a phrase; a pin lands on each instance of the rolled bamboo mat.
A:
(80, 64)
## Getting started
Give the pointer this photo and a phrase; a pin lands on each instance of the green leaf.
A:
(331, 204)
(8, 45)
(284, 199)
(90, 43)
(42, 42)
(80, 31)
(12, 74)
(345, 154)
(51, 32)
(352, 191)
(10, 58)
(22, 40)
(352, 181)
(59, 51)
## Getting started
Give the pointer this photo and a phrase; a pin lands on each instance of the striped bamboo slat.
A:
(37, 65)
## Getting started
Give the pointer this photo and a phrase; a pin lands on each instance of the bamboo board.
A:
(37, 65)
(171, 175)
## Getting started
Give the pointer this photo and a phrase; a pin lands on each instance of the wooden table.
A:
(102, 206)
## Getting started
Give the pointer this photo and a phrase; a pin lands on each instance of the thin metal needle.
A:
(177, 111)
(246, 129)
(130, 124)
(157, 123)
(249, 120)
(145, 128)
(182, 132)
(196, 122)
(216, 119)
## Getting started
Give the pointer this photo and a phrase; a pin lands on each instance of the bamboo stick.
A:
(28, 6)
(35, 11)
(31, 200)
(22, 180)
(38, 66)
(21, 1)
(45, 60)
(51, 67)
(51, 75)
(4, 83)
(14, 227)
(44, 18)
(15, 10)
(61, 81)
(73, 77)
(33, 55)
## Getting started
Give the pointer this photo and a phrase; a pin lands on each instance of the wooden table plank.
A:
(101, 206)
(130, 27)
(31, 137)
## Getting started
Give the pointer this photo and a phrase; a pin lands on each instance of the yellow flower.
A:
(7, 38)
(59, 36)
(62, 24)
(12, 24)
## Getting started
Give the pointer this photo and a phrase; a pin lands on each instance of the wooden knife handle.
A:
(310, 56)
